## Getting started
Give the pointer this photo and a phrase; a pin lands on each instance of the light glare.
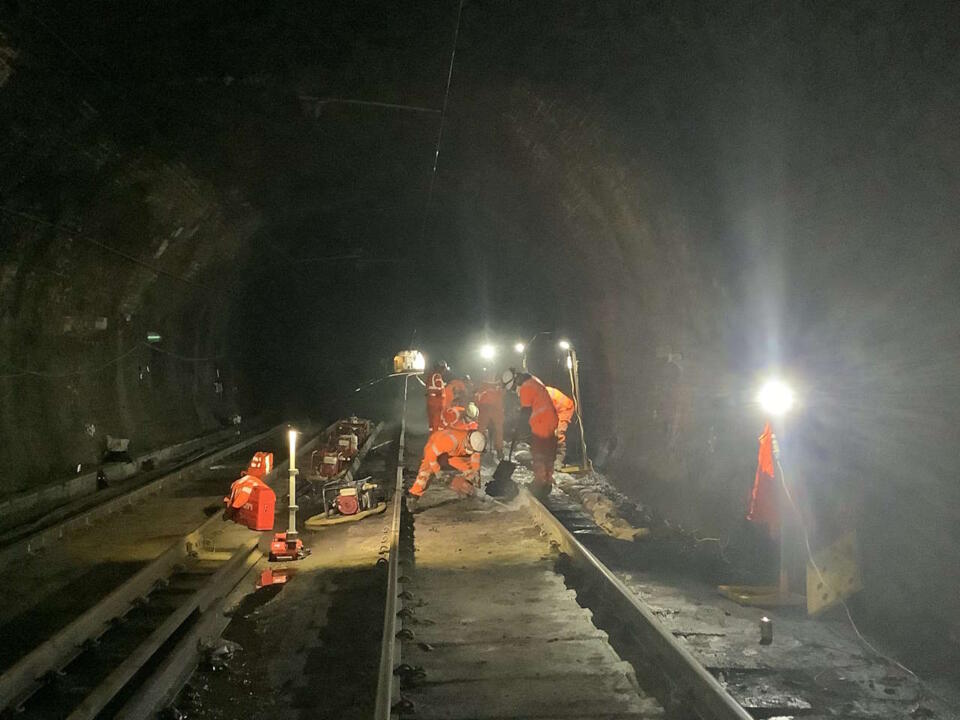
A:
(564, 344)
(775, 397)
(520, 347)
(488, 351)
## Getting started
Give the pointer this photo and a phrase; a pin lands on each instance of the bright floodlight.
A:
(419, 363)
(775, 397)
(488, 351)
(292, 437)
(564, 344)
(520, 347)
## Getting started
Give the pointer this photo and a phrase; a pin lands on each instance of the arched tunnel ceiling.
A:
(697, 192)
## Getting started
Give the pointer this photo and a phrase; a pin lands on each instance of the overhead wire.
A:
(74, 232)
(183, 358)
(72, 373)
(100, 368)
(443, 117)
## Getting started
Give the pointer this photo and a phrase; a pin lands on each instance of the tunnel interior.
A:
(697, 194)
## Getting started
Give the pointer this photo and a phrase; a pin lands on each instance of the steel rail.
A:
(692, 687)
(31, 544)
(161, 688)
(388, 691)
(219, 584)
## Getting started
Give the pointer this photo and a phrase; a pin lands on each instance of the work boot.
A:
(541, 492)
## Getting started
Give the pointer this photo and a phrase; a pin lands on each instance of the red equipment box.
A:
(261, 464)
(251, 503)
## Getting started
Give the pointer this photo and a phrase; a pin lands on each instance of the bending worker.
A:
(536, 405)
(489, 401)
(454, 450)
(565, 407)
(460, 418)
(435, 387)
(455, 392)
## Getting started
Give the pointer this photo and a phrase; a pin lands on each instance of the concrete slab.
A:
(567, 696)
(523, 658)
(547, 628)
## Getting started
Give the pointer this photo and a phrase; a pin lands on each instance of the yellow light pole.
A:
(292, 505)
(573, 367)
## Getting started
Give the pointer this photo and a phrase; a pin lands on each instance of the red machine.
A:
(251, 503)
(356, 426)
(348, 501)
(330, 465)
(283, 548)
(261, 464)
(348, 444)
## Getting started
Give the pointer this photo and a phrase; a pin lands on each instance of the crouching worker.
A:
(451, 450)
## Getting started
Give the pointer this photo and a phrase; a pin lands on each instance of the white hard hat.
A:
(508, 377)
(476, 441)
(472, 411)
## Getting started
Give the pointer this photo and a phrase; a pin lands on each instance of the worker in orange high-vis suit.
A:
(450, 449)
(536, 404)
(435, 386)
(455, 392)
(460, 418)
(489, 399)
(565, 407)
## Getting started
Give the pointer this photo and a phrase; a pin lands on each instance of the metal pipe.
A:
(292, 498)
(574, 367)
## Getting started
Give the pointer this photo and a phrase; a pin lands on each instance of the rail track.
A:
(479, 624)
(483, 620)
(127, 655)
(814, 668)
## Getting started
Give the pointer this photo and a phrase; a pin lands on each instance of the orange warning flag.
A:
(763, 498)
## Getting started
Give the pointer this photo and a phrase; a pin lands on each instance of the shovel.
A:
(501, 485)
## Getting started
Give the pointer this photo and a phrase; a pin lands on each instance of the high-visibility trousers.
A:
(434, 412)
(543, 452)
(464, 470)
(491, 417)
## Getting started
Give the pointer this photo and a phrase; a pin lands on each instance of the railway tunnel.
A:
(218, 210)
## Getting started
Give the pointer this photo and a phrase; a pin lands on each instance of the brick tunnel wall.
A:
(107, 235)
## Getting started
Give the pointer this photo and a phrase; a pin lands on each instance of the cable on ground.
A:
(806, 541)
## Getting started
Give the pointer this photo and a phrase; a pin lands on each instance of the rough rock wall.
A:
(709, 192)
